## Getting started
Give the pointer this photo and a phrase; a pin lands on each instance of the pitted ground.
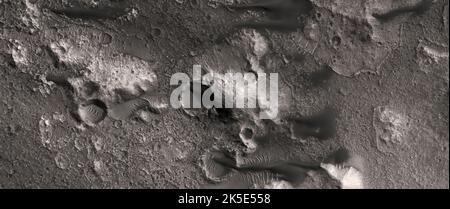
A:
(42, 144)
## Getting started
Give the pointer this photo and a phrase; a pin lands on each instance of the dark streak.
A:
(278, 8)
(281, 14)
(338, 157)
(60, 80)
(322, 76)
(321, 126)
(417, 9)
(54, 58)
(7, 59)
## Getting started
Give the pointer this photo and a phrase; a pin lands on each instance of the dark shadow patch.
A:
(338, 157)
(282, 15)
(222, 114)
(53, 57)
(321, 77)
(278, 8)
(321, 126)
(417, 9)
(7, 59)
(60, 80)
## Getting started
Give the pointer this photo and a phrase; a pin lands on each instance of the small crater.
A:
(246, 133)
(80, 143)
(336, 41)
(318, 15)
(105, 39)
(92, 111)
(194, 3)
(156, 32)
(62, 161)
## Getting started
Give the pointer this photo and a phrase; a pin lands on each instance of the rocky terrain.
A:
(363, 94)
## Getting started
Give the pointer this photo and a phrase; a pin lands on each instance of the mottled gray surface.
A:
(84, 84)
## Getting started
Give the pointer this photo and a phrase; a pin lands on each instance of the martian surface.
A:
(363, 94)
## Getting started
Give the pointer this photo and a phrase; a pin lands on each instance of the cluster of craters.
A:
(103, 83)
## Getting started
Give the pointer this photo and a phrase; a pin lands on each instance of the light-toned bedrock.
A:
(102, 74)
(109, 70)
